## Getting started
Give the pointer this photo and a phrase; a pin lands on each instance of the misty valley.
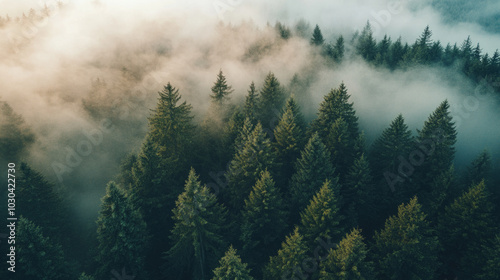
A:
(250, 140)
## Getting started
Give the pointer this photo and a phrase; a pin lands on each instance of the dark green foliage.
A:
(312, 169)
(366, 46)
(491, 269)
(464, 228)
(231, 267)
(287, 264)
(38, 256)
(121, 234)
(348, 261)
(197, 234)
(283, 31)
(39, 203)
(253, 156)
(220, 90)
(321, 220)
(358, 195)
(337, 125)
(251, 103)
(84, 276)
(317, 38)
(264, 220)
(479, 169)
(289, 139)
(406, 248)
(16, 136)
(271, 99)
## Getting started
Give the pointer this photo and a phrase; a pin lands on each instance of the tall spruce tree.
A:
(317, 38)
(348, 261)
(311, 170)
(197, 235)
(251, 103)
(220, 90)
(287, 264)
(121, 234)
(252, 157)
(479, 169)
(231, 267)
(406, 248)
(337, 125)
(272, 97)
(38, 256)
(321, 220)
(464, 227)
(366, 46)
(289, 139)
(264, 220)
(41, 204)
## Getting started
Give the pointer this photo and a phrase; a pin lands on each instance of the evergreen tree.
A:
(220, 90)
(41, 204)
(231, 267)
(287, 264)
(396, 53)
(464, 227)
(251, 103)
(271, 99)
(383, 51)
(253, 157)
(436, 143)
(171, 128)
(317, 37)
(289, 136)
(264, 219)
(321, 220)
(479, 169)
(39, 257)
(339, 49)
(349, 260)
(366, 45)
(357, 195)
(491, 269)
(197, 233)
(121, 234)
(406, 248)
(16, 135)
(337, 125)
(312, 169)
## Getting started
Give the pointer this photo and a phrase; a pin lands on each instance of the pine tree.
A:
(16, 135)
(121, 234)
(41, 204)
(287, 264)
(271, 99)
(171, 127)
(317, 37)
(264, 219)
(251, 103)
(366, 45)
(349, 260)
(231, 267)
(339, 49)
(464, 227)
(220, 90)
(436, 143)
(406, 248)
(358, 195)
(253, 157)
(337, 125)
(197, 234)
(39, 257)
(321, 220)
(491, 269)
(289, 136)
(479, 169)
(312, 169)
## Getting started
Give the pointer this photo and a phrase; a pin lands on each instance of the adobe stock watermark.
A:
(383, 18)
(31, 28)
(223, 6)
(310, 264)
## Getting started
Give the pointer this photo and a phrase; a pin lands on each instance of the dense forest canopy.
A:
(278, 150)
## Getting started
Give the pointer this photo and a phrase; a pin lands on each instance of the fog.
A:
(85, 77)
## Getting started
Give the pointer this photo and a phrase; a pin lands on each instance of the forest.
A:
(264, 187)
